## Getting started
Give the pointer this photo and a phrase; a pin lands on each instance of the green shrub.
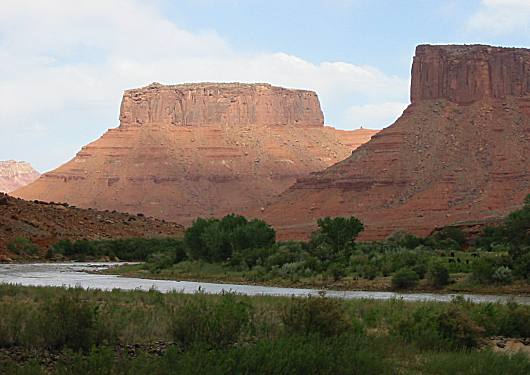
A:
(22, 246)
(316, 315)
(431, 328)
(522, 266)
(218, 324)
(405, 278)
(514, 321)
(438, 275)
(69, 322)
(477, 362)
(449, 238)
(482, 270)
(405, 240)
(456, 327)
(502, 275)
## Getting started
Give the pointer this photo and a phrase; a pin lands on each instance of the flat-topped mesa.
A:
(204, 104)
(467, 73)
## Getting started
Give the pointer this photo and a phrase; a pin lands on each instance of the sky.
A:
(65, 64)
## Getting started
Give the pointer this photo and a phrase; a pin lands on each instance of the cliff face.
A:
(234, 104)
(464, 74)
(15, 174)
(194, 150)
(459, 152)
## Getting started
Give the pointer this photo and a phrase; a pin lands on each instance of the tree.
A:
(338, 232)
(193, 238)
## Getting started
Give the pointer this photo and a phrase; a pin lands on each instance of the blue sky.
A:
(64, 64)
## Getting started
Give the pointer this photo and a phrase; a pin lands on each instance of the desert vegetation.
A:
(234, 249)
(63, 331)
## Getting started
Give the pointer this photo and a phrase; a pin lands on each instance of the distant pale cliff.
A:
(15, 174)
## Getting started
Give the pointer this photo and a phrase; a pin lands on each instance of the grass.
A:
(224, 334)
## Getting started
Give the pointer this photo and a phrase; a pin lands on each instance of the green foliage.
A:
(69, 322)
(22, 246)
(439, 328)
(405, 278)
(263, 335)
(337, 233)
(522, 266)
(502, 275)
(438, 275)
(218, 240)
(479, 363)
(132, 249)
(491, 270)
(322, 316)
(449, 238)
(405, 240)
(210, 324)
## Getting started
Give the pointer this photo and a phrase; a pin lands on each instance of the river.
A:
(81, 275)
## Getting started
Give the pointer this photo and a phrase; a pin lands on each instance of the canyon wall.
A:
(459, 153)
(184, 151)
(463, 74)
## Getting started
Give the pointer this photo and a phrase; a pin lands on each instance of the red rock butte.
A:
(459, 153)
(207, 149)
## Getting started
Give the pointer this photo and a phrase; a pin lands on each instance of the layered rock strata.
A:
(459, 153)
(192, 150)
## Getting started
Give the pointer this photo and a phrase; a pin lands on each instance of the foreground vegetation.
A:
(236, 250)
(118, 332)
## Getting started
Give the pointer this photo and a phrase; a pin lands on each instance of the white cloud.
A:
(502, 16)
(374, 116)
(64, 65)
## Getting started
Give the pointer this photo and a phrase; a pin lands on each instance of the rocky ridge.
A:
(46, 223)
(459, 153)
(208, 149)
(15, 174)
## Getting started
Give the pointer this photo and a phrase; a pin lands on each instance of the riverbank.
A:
(67, 331)
(216, 273)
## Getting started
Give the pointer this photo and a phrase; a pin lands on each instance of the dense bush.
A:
(22, 246)
(405, 278)
(210, 324)
(439, 328)
(217, 240)
(438, 275)
(322, 316)
(132, 249)
(69, 322)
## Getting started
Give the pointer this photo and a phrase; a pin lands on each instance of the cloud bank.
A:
(502, 17)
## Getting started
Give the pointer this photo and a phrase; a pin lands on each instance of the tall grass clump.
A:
(210, 323)
(322, 316)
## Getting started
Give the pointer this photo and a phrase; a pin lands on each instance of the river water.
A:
(80, 275)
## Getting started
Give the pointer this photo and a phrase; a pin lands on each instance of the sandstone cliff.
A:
(460, 152)
(15, 174)
(192, 150)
